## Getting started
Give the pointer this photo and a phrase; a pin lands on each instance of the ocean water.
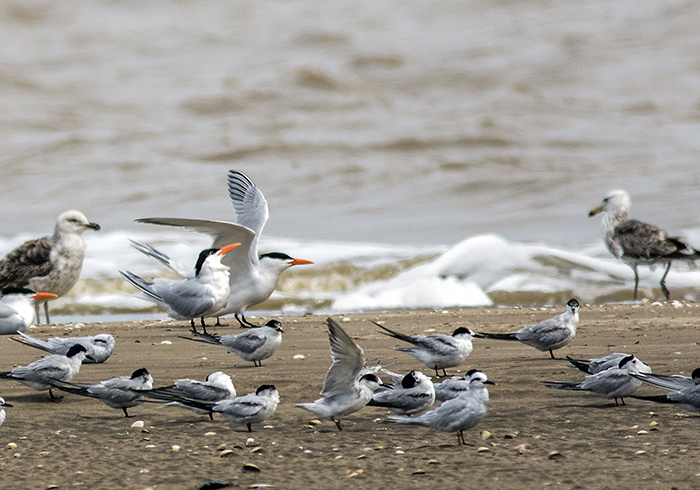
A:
(422, 154)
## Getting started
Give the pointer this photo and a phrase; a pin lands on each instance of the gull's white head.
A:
(74, 221)
(616, 203)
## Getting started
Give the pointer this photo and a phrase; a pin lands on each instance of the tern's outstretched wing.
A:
(348, 361)
(250, 206)
(223, 233)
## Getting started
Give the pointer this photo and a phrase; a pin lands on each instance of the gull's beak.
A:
(41, 296)
(595, 211)
(89, 357)
(93, 226)
(301, 262)
(6, 405)
(489, 382)
(226, 249)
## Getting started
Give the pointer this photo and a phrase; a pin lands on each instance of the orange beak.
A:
(226, 249)
(301, 262)
(40, 296)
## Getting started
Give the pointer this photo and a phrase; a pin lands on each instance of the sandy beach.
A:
(536, 437)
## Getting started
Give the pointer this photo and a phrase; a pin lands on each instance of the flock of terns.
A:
(232, 276)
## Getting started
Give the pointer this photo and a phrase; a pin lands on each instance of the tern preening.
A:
(439, 351)
(216, 387)
(409, 395)
(458, 414)
(346, 388)
(194, 297)
(121, 392)
(99, 347)
(254, 345)
(613, 383)
(17, 309)
(253, 276)
(638, 243)
(594, 366)
(42, 374)
(247, 409)
(548, 335)
(51, 264)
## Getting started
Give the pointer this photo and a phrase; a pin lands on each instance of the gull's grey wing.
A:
(151, 251)
(223, 233)
(31, 259)
(250, 206)
(348, 361)
(247, 342)
(202, 391)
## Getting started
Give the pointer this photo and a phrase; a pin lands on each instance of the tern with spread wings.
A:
(253, 276)
(346, 388)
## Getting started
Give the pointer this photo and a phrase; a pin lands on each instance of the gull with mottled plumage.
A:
(254, 345)
(613, 383)
(346, 388)
(437, 351)
(638, 243)
(548, 335)
(98, 347)
(253, 276)
(458, 414)
(408, 395)
(42, 374)
(121, 392)
(51, 264)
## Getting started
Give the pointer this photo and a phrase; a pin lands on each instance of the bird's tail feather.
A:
(655, 398)
(497, 336)
(562, 385)
(391, 333)
(141, 284)
(580, 364)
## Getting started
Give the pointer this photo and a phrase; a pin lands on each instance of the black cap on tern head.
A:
(275, 324)
(472, 371)
(262, 388)
(13, 290)
(75, 349)
(409, 381)
(203, 255)
(139, 373)
(573, 303)
(696, 375)
(625, 360)
(462, 331)
(371, 377)
(276, 256)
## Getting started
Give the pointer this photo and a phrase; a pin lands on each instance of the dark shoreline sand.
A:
(81, 442)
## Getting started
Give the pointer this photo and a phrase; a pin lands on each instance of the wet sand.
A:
(538, 437)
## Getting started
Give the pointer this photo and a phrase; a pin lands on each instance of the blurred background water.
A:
(423, 154)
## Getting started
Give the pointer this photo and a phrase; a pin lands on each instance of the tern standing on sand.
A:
(50, 264)
(195, 297)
